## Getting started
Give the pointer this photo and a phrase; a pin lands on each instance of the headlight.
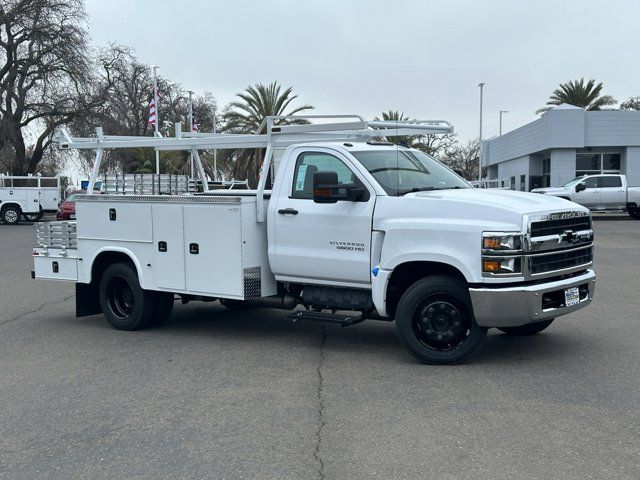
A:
(501, 265)
(501, 253)
(501, 241)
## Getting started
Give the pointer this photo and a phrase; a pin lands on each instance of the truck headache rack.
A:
(275, 132)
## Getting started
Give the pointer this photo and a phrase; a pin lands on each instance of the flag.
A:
(152, 107)
(194, 124)
(152, 111)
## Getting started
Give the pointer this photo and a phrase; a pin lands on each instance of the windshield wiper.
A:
(416, 189)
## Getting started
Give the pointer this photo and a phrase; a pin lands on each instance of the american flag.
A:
(195, 126)
(152, 108)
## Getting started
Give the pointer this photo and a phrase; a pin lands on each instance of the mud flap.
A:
(87, 299)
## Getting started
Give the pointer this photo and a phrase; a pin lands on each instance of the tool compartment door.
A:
(213, 250)
(168, 247)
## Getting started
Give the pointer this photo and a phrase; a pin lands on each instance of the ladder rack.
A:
(269, 135)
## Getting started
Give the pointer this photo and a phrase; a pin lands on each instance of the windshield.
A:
(71, 198)
(403, 171)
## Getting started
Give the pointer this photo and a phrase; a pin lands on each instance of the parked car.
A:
(600, 193)
(67, 209)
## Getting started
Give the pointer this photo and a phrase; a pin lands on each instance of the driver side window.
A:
(309, 163)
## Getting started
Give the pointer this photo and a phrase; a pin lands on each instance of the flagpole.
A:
(155, 100)
(190, 115)
(215, 151)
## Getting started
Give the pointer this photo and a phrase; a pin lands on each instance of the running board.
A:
(342, 320)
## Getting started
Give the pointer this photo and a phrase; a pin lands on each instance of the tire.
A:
(33, 217)
(528, 329)
(634, 213)
(435, 321)
(10, 215)
(125, 305)
(163, 307)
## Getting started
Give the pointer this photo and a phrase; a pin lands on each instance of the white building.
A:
(564, 143)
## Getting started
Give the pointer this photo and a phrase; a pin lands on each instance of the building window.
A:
(597, 163)
(513, 183)
(523, 183)
(546, 172)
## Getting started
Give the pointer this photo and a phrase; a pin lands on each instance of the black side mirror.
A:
(580, 187)
(327, 189)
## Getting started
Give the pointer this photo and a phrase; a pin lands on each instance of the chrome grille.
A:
(557, 226)
(560, 260)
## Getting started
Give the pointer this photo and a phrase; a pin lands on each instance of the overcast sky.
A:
(422, 57)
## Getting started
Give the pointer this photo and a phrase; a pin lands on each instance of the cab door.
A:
(590, 196)
(612, 194)
(321, 242)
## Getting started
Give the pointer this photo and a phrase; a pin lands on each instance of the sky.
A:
(424, 58)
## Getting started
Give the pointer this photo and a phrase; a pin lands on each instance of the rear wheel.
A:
(10, 215)
(125, 304)
(634, 213)
(33, 217)
(435, 321)
(528, 329)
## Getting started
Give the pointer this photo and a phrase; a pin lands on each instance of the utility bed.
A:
(202, 245)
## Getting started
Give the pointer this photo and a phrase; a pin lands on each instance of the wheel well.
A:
(104, 260)
(406, 274)
(5, 205)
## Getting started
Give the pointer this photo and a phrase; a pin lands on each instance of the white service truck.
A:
(605, 192)
(354, 228)
(27, 196)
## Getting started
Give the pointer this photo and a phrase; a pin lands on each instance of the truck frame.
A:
(445, 265)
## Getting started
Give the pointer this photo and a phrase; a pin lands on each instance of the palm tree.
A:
(398, 116)
(245, 116)
(579, 94)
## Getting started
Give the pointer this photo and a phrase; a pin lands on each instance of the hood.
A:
(491, 207)
(551, 190)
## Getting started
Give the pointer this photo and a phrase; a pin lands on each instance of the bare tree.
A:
(463, 158)
(48, 76)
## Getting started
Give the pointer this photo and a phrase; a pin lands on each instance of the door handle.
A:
(288, 211)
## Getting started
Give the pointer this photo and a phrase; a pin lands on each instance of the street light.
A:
(481, 85)
(501, 112)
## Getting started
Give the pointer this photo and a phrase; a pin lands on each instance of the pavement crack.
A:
(24, 314)
(320, 397)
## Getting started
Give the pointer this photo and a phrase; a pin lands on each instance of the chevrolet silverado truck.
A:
(354, 228)
(599, 193)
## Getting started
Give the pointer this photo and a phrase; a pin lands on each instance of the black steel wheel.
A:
(435, 321)
(124, 303)
(634, 213)
(528, 329)
(10, 215)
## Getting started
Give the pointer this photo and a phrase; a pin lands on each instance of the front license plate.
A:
(571, 296)
(72, 217)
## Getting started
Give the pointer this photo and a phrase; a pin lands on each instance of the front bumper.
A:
(515, 306)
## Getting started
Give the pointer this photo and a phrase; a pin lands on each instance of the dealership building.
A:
(564, 143)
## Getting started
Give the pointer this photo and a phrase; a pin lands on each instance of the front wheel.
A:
(528, 329)
(634, 213)
(125, 305)
(10, 215)
(435, 321)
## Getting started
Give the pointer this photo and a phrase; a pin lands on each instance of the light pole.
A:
(215, 152)
(501, 112)
(481, 85)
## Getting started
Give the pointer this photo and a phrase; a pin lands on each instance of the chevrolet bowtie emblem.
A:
(567, 236)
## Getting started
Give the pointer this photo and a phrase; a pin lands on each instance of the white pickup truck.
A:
(600, 193)
(351, 230)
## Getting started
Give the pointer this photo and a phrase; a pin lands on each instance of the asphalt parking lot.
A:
(225, 395)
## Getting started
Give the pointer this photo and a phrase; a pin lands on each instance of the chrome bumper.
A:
(515, 306)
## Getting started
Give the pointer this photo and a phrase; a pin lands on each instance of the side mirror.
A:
(580, 187)
(327, 189)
